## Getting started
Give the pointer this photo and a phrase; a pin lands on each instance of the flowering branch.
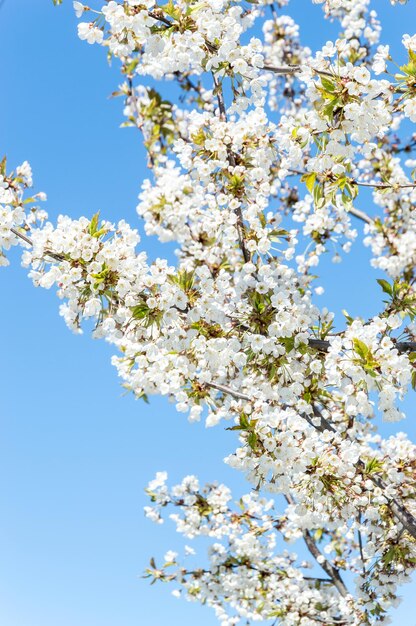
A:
(407, 520)
(232, 332)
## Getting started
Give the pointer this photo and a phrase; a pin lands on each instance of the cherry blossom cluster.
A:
(248, 575)
(14, 211)
(178, 37)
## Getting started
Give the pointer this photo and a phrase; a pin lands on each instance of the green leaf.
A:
(329, 109)
(140, 311)
(171, 10)
(318, 196)
(244, 421)
(142, 396)
(385, 285)
(3, 165)
(361, 348)
(347, 317)
(92, 229)
(309, 180)
(252, 440)
(129, 69)
(328, 85)
(390, 556)
(278, 233)
(412, 357)
(373, 465)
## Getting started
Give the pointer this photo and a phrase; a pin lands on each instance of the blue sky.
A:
(74, 453)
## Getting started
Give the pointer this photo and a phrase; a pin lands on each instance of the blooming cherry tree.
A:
(256, 173)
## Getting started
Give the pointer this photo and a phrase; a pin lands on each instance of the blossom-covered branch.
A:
(256, 172)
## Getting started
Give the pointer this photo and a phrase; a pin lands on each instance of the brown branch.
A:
(360, 545)
(22, 236)
(383, 185)
(293, 69)
(284, 69)
(160, 18)
(402, 346)
(221, 103)
(230, 392)
(328, 568)
(57, 257)
(360, 215)
(231, 160)
(358, 183)
(400, 512)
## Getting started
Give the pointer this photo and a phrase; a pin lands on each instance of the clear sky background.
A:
(74, 454)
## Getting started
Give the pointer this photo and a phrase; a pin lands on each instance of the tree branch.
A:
(360, 545)
(26, 239)
(400, 512)
(383, 185)
(160, 18)
(328, 568)
(402, 346)
(240, 222)
(360, 215)
(229, 391)
(358, 183)
(293, 69)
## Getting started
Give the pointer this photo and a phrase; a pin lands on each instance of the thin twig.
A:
(359, 183)
(230, 392)
(383, 185)
(160, 18)
(22, 236)
(360, 215)
(26, 239)
(293, 69)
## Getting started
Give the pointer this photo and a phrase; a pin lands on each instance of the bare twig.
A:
(360, 215)
(22, 236)
(293, 69)
(26, 239)
(383, 185)
(230, 392)
(160, 18)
